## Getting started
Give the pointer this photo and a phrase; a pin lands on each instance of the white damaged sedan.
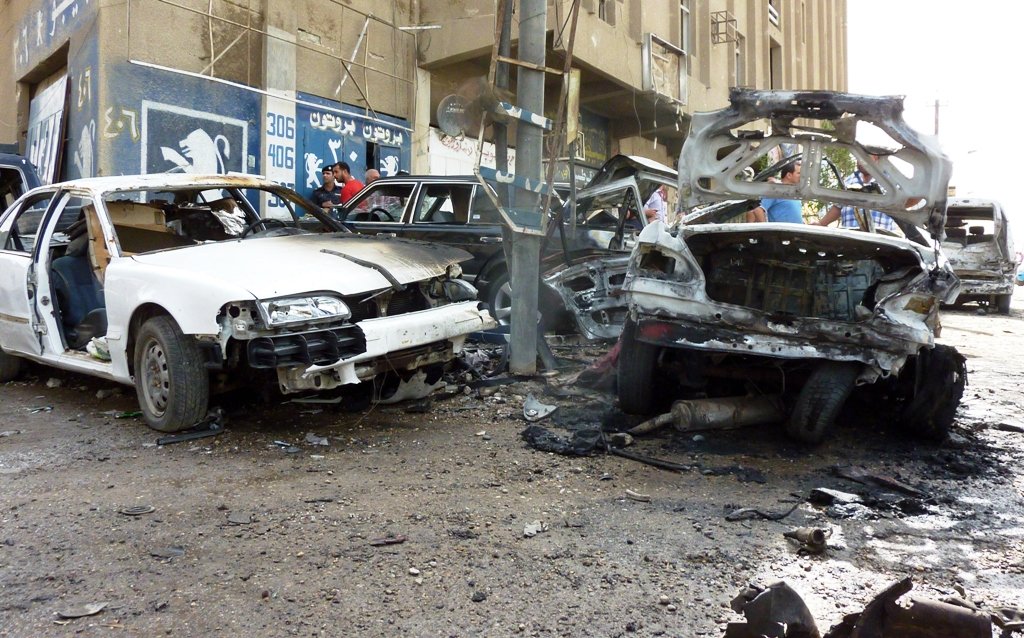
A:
(187, 285)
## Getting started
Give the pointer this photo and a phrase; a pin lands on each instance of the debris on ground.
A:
(394, 539)
(748, 513)
(534, 528)
(81, 611)
(239, 518)
(137, 510)
(54, 382)
(864, 477)
(580, 443)
(166, 554)
(812, 540)
(775, 611)
(534, 410)
(779, 612)
(637, 496)
(884, 617)
(212, 425)
(826, 496)
(313, 439)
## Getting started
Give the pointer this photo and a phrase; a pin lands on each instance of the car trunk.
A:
(792, 274)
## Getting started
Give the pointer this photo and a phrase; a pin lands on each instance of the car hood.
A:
(913, 176)
(275, 266)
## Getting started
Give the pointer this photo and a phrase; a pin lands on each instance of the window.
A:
(773, 11)
(10, 186)
(685, 31)
(445, 204)
(606, 10)
(739, 66)
(775, 65)
(22, 233)
(380, 202)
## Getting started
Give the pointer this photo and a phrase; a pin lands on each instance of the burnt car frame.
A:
(580, 276)
(801, 312)
(979, 246)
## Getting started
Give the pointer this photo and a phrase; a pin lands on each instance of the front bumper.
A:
(400, 343)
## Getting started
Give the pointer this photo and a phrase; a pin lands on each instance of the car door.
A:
(458, 214)
(21, 328)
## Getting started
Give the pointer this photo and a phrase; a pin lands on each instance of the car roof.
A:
(169, 181)
(428, 178)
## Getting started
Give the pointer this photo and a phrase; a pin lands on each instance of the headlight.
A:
(290, 310)
(459, 290)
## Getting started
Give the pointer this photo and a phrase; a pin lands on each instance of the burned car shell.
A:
(979, 247)
(775, 292)
(576, 280)
(218, 292)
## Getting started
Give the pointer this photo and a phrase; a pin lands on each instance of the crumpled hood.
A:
(276, 266)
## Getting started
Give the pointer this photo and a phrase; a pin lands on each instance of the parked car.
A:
(17, 175)
(457, 211)
(195, 292)
(979, 246)
(798, 312)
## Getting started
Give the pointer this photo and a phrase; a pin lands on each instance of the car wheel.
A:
(637, 379)
(1003, 304)
(10, 366)
(821, 399)
(941, 375)
(499, 299)
(171, 382)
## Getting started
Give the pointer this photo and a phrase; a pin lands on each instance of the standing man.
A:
(350, 185)
(656, 207)
(780, 210)
(328, 195)
(372, 175)
(847, 215)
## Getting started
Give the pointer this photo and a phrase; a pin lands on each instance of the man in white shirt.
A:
(656, 207)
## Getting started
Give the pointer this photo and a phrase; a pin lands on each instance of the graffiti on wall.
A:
(325, 135)
(47, 28)
(181, 140)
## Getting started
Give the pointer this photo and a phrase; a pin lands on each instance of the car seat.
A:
(78, 293)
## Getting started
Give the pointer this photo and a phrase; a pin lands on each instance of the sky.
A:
(966, 55)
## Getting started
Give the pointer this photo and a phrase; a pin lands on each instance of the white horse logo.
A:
(202, 154)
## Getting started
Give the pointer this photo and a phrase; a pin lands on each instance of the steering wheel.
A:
(263, 221)
(384, 211)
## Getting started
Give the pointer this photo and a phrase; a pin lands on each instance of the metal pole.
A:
(525, 272)
(501, 81)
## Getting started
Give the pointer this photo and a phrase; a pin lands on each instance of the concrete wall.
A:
(155, 87)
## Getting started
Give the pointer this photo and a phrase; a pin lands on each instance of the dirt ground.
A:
(256, 538)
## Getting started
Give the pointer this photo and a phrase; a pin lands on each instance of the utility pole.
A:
(936, 116)
(525, 270)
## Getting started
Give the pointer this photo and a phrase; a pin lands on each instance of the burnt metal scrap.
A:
(777, 611)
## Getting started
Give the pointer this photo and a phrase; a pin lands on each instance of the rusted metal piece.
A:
(812, 539)
(883, 617)
(774, 611)
(716, 414)
(933, 619)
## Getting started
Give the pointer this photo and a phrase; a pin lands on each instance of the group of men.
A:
(340, 185)
(791, 210)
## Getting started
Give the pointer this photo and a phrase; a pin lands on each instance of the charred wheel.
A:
(171, 381)
(940, 376)
(638, 381)
(821, 399)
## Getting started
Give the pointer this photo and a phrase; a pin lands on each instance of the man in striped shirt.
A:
(847, 215)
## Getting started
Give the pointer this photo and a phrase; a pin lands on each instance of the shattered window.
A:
(25, 229)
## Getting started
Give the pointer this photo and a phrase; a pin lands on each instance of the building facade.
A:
(284, 87)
